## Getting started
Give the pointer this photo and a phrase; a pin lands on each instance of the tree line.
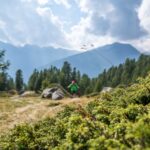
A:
(122, 75)
(40, 80)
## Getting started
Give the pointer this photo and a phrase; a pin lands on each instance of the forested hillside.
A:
(122, 75)
(116, 120)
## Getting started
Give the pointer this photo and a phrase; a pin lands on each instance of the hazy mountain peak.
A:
(96, 60)
(29, 57)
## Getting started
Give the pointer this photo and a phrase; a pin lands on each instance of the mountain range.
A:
(29, 57)
(91, 62)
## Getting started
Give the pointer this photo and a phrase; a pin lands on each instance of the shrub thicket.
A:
(116, 120)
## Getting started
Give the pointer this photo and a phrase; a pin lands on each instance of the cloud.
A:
(108, 21)
(30, 22)
(143, 44)
(63, 2)
(77, 22)
(79, 36)
(43, 2)
(58, 2)
(144, 15)
(117, 18)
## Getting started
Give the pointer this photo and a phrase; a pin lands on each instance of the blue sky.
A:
(73, 23)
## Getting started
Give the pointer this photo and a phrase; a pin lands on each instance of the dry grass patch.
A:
(18, 110)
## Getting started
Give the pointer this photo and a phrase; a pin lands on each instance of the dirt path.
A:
(37, 111)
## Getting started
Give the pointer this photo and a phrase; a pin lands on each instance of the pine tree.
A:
(98, 85)
(84, 84)
(3, 75)
(32, 80)
(38, 83)
(74, 74)
(65, 74)
(3, 81)
(3, 65)
(19, 80)
(10, 84)
(78, 76)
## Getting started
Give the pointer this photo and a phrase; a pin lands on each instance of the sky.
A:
(74, 23)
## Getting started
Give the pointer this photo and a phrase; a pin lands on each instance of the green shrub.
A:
(118, 120)
(134, 111)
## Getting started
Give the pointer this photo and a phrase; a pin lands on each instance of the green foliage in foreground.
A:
(118, 120)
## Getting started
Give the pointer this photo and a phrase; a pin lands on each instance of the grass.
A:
(52, 104)
(17, 110)
(9, 104)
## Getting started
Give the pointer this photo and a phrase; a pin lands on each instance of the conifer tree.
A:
(3, 75)
(32, 80)
(19, 80)
(65, 74)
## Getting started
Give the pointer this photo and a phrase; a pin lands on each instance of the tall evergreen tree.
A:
(74, 74)
(3, 75)
(38, 83)
(3, 65)
(32, 80)
(84, 84)
(3, 81)
(10, 84)
(65, 74)
(19, 80)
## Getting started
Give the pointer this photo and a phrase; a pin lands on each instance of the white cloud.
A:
(46, 13)
(79, 36)
(117, 18)
(2, 24)
(103, 22)
(63, 2)
(144, 14)
(29, 22)
(143, 44)
(95, 6)
(107, 21)
(43, 2)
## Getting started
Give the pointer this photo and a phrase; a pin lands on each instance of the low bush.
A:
(117, 120)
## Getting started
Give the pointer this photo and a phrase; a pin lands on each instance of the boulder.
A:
(28, 94)
(54, 93)
(12, 92)
(58, 94)
(106, 89)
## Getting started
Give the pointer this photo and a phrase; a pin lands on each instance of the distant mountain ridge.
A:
(29, 57)
(93, 62)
